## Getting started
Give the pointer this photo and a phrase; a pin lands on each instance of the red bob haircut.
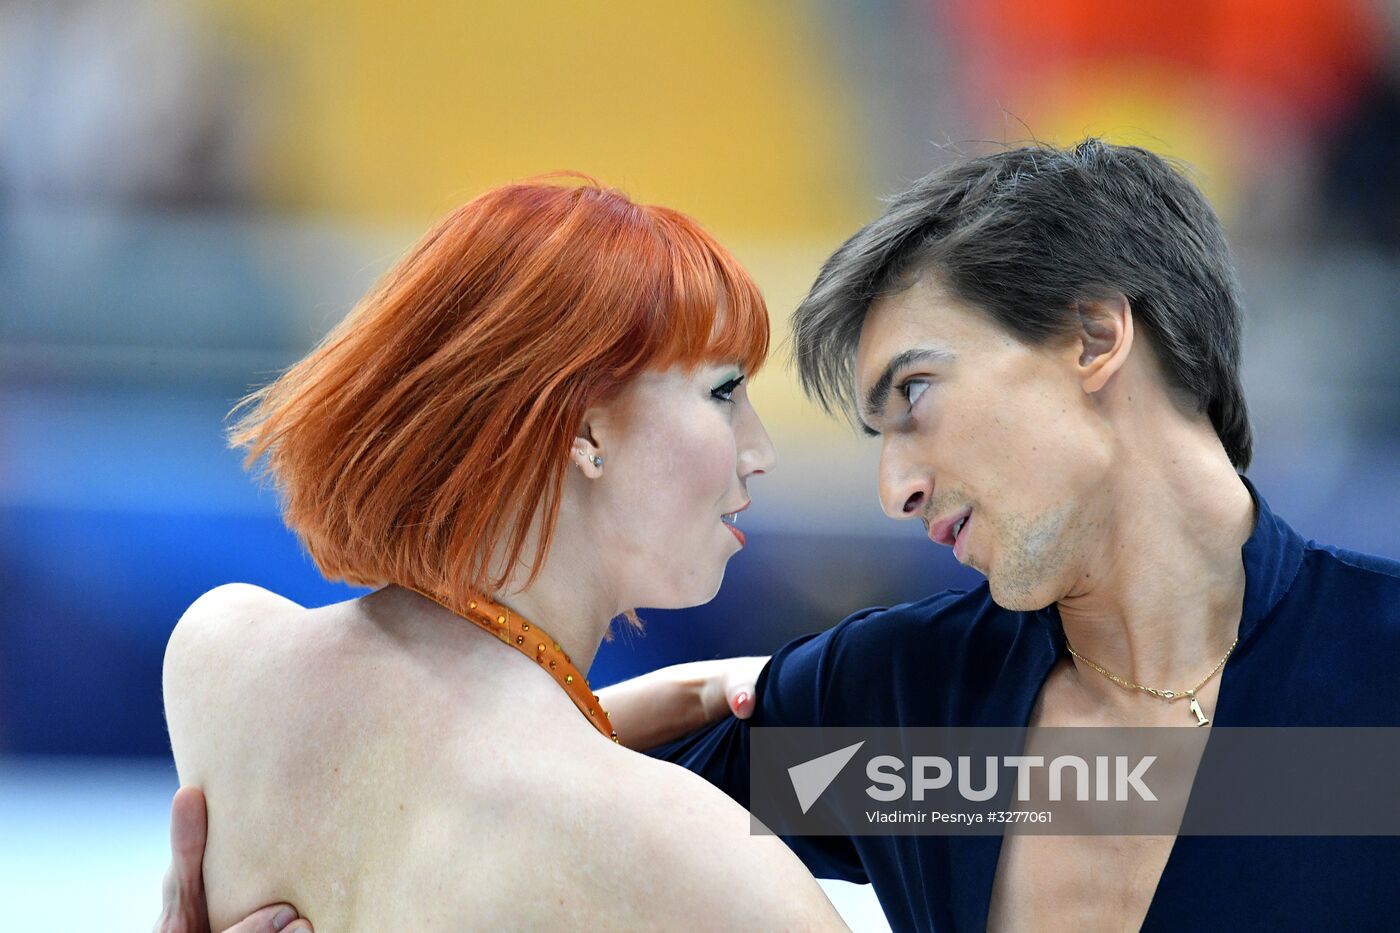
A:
(433, 425)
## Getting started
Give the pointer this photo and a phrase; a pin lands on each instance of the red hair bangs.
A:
(714, 311)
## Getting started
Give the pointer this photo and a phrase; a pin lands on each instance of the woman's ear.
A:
(1104, 340)
(587, 452)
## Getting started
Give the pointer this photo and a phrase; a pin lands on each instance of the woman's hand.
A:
(185, 910)
(737, 684)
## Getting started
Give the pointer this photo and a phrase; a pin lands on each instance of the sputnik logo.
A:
(810, 778)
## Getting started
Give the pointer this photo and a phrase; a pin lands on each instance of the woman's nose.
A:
(757, 453)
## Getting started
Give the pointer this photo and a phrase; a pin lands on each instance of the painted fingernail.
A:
(740, 699)
(284, 916)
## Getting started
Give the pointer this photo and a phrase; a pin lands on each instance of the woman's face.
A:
(678, 448)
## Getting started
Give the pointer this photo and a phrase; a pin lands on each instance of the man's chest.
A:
(1093, 880)
(1076, 882)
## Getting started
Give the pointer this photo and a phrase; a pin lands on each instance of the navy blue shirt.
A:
(1319, 645)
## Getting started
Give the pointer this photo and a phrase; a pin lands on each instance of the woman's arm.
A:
(666, 704)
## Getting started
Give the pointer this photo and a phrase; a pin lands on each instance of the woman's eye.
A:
(912, 389)
(725, 392)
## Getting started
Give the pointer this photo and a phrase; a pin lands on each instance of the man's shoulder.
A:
(1337, 633)
(1381, 572)
(1364, 587)
(1342, 612)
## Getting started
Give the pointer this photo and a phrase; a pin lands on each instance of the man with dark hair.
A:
(1047, 342)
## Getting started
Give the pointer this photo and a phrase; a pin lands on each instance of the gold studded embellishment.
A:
(483, 613)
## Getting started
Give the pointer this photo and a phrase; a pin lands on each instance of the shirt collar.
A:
(1272, 556)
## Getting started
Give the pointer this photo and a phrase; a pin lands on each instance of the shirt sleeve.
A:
(791, 690)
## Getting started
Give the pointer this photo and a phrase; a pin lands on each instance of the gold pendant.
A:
(1201, 719)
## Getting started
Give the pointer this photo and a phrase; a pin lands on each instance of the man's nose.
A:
(904, 489)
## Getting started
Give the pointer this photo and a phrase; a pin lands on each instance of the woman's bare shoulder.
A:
(214, 655)
(215, 624)
(233, 599)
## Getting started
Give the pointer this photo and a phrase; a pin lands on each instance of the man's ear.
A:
(587, 451)
(1104, 340)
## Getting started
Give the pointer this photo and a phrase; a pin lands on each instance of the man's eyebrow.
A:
(879, 393)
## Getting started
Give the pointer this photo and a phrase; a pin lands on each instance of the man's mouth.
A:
(946, 530)
(960, 538)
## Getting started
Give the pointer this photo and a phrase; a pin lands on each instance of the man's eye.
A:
(912, 389)
(725, 392)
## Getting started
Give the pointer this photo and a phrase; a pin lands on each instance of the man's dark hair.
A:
(1027, 234)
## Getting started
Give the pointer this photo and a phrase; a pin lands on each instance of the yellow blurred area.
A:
(785, 272)
(734, 112)
(727, 110)
(1138, 103)
(763, 120)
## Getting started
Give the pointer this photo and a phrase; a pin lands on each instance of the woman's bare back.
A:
(381, 769)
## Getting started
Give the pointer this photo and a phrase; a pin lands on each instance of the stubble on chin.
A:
(1032, 555)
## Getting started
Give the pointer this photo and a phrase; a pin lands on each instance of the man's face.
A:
(976, 424)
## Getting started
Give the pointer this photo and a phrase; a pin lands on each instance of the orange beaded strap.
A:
(534, 642)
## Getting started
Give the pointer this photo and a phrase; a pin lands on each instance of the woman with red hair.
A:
(536, 422)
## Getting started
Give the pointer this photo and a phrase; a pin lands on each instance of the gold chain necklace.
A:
(1170, 696)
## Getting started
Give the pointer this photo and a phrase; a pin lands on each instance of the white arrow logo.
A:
(810, 778)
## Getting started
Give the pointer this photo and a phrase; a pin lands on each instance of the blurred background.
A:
(193, 191)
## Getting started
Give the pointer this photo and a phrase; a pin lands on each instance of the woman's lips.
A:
(729, 518)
